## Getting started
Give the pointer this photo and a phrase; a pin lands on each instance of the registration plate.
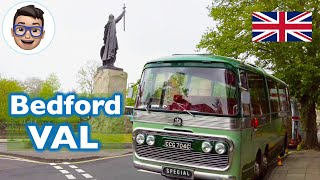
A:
(177, 173)
(177, 145)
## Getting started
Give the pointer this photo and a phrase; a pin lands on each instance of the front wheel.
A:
(258, 168)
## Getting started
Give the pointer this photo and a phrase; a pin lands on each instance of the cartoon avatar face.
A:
(27, 32)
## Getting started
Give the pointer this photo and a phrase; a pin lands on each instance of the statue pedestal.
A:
(109, 81)
(106, 83)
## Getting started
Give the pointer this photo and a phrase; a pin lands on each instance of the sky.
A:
(154, 28)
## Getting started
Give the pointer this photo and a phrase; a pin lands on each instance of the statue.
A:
(109, 50)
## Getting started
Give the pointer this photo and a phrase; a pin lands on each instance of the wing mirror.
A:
(130, 92)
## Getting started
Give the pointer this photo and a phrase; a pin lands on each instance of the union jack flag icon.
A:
(281, 26)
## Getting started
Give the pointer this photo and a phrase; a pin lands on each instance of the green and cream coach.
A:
(209, 117)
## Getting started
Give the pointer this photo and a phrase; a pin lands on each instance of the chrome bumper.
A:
(197, 174)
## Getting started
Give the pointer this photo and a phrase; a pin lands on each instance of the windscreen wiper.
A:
(184, 109)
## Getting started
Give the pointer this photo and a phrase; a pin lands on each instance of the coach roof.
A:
(210, 58)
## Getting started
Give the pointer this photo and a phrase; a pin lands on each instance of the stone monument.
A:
(108, 52)
(110, 79)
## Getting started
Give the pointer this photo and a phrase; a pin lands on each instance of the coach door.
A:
(259, 99)
(256, 113)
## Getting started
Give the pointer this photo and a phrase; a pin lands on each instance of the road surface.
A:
(118, 168)
(15, 169)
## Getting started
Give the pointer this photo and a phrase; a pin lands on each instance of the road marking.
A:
(99, 159)
(80, 170)
(73, 166)
(64, 171)
(6, 158)
(70, 176)
(58, 167)
(21, 159)
(88, 176)
(141, 170)
(27, 160)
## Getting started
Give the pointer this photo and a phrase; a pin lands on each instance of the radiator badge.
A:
(177, 121)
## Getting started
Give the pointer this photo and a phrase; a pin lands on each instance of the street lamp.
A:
(130, 90)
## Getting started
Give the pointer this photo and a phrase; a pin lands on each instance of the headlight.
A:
(206, 146)
(220, 148)
(150, 140)
(140, 139)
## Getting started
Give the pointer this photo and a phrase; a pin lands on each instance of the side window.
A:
(243, 79)
(283, 94)
(244, 84)
(259, 100)
(274, 96)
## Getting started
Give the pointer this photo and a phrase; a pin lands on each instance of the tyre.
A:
(258, 168)
(285, 145)
(264, 164)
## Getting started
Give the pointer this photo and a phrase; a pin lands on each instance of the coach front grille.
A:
(191, 158)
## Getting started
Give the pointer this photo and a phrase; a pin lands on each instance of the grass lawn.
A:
(113, 141)
(108, 141)
(112, 138)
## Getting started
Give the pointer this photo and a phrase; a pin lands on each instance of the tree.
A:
(131, 101)
(6, 88)
(298, 64)
(86, 77)
(49, 87)
(33, 86)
